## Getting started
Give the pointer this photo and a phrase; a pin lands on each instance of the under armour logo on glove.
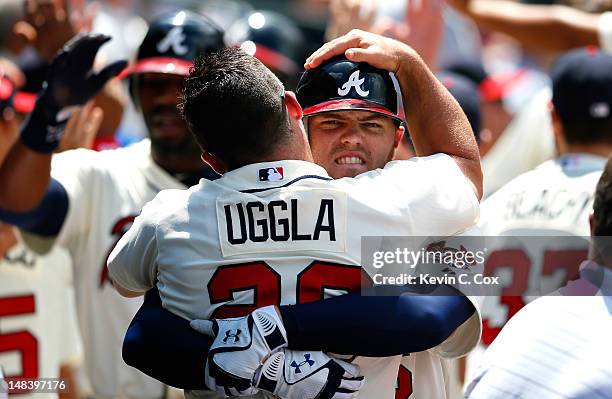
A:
(353, 81)
(307, 360)
(231, 364)
(174, 39)
(228, 335)
(329, 379)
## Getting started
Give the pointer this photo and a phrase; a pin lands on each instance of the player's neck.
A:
(177, 162)
(297, 149)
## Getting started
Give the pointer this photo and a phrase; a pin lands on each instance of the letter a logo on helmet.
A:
(353, 81)
(175, 39)
(327, 88)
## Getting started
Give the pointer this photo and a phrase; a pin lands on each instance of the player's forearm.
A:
(163, 346)
(437, 123)
(24, 179)
(389, 321)
(541, 27)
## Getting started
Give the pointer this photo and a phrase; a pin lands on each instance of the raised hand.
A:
(82, 128)
(360, 46)
(71, 80)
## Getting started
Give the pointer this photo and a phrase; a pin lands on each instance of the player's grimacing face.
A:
(348, 143)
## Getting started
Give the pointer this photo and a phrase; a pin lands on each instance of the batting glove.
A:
(70, 82)
(241, 346)
(308, 375)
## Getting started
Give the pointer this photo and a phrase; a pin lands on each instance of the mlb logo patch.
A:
(271, 174)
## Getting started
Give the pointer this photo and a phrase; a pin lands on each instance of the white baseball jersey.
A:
(107, 190)
(552, 200)
(226, 247)
(604, 29)
(555, 347)
(38, 326)
(525, 143)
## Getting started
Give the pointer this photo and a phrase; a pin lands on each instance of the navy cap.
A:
(467, 95)
(173, 41)
(582, 86)
(340, 84)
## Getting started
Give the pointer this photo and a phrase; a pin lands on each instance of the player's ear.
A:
(399, 134)
(214, 162)
(293, 106)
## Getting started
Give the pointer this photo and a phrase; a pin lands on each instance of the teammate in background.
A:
(559, 345)
(555, 198)
(509, 129)
(553, 27)
(468, 96)
(273, 39)
(93, 197)
(131, 269)
(37, 316)
(37, 309)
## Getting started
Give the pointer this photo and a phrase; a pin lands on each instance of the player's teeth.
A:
(349, 160)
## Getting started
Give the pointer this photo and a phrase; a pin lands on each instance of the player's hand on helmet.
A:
(360, 46)
(241, 346)
(308, 375)
(71, 80)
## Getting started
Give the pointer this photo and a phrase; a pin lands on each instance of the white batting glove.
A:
(308, 375)
(241, 346)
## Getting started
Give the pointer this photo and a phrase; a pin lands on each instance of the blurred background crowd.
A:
(493, 54)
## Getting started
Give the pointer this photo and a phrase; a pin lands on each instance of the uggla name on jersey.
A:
(278, 220)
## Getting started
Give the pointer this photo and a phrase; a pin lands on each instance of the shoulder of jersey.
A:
(167, 203)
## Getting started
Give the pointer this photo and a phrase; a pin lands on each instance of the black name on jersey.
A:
(547, 205)
(260, 222)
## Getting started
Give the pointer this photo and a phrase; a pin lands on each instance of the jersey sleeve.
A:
(133, 262)
(435, 193)
(604, 30)
(465, 337)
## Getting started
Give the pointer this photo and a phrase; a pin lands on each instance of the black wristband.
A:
(41, 132)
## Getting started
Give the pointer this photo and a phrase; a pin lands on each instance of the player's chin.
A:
(170, 134)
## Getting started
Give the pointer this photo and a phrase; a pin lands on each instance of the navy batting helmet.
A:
(173, 41)
(340, 84)
(273, 39)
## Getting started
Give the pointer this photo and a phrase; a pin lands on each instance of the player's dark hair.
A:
(589, 131)
(234, 106)
(602, 205)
